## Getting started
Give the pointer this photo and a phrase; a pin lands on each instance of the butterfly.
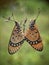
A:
(17, 37)
(32, 35)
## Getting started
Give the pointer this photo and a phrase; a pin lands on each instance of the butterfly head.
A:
(17, 24)
(32, 24)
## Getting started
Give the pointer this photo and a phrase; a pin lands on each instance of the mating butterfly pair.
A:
(32, 36)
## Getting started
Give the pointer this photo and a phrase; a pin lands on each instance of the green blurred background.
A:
(22, 9)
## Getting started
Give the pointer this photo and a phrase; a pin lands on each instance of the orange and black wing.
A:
(32, 36)
(16, 39)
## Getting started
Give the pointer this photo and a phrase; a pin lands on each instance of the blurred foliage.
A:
(22, 9)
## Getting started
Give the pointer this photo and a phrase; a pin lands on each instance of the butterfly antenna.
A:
(9, 18)
(38, 13)
(24, 25)
(13, 16)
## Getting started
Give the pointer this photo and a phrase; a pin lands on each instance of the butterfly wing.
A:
(32, 36)
(16, 39)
